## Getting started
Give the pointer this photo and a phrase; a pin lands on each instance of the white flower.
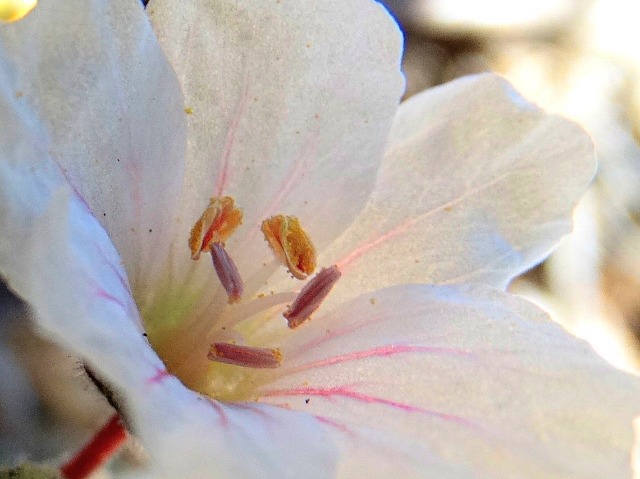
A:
(418, 364)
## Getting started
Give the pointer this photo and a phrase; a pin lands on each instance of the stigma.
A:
(290, 244)
(245, 356)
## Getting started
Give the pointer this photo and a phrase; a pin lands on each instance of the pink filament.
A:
(366, 247)
(223, 175)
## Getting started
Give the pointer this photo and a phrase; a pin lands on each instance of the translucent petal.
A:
(291, 103)
(93, 74)
(54, 254)
(478, 379)
(57, 257)
(477, 186)
(193, 437)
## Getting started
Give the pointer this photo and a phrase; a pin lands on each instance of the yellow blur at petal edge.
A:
(13, 10)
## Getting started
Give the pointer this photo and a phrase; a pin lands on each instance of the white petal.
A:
(292, 103)
(478, 378)
(94, 75)
(193, 437)
(53, 253)
(56, 256)
(477, 185)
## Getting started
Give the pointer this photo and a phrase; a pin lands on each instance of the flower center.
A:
(227, 358)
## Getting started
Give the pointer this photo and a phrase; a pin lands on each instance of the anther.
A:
(227, 272)
(217, 223)
(245, 356)
(291, 244)
(311, 296)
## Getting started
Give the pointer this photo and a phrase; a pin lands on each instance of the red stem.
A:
(101, 447)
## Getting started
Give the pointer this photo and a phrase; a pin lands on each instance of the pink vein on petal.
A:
(366, 247)
(118, 273)
(76, 192)
(101, 293)
(130, 307)
(340, 427)
(73, 187)
(224, 419)
(161, 375)
(315, 342)
(343, 391)
(308, 150)
(379, 352)
(223, 174)
(249, 407)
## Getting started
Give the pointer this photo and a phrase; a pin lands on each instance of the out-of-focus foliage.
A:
(29, 471)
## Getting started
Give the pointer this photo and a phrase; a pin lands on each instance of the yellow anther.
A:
(14, 10)
(291, 245)
(217, 223)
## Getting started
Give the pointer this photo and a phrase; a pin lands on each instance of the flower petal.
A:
(54, 254)
(476, 377)
(57, 257)
(291, 105)
(477, 186)
(192, 437)
(93, 74)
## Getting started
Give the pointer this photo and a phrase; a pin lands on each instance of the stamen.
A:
(227, 272)
(311, 296)
(291, 244)
(217, 223)
(245, 356)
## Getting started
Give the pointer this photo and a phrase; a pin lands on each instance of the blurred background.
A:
(578, 58)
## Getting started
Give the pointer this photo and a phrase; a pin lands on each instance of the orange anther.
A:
(291, 244)
(217, 223)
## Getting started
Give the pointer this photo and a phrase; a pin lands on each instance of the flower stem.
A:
(101, 447)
